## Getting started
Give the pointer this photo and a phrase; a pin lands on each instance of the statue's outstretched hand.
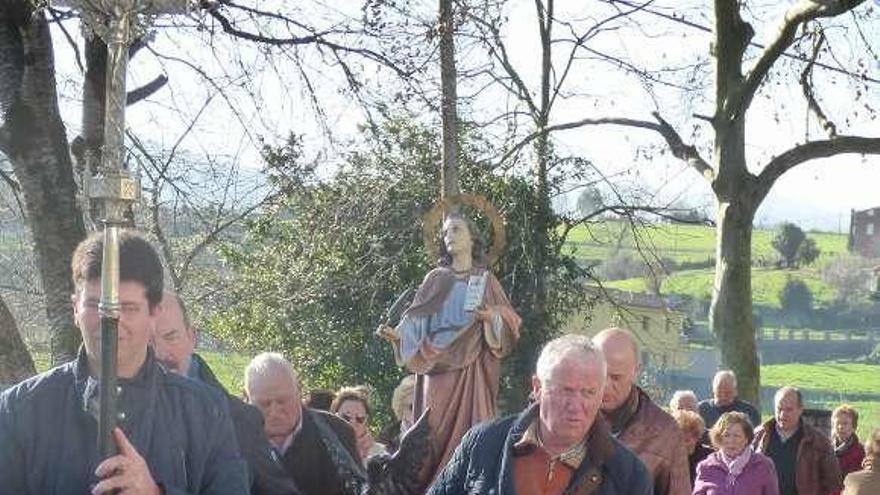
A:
(387, 332)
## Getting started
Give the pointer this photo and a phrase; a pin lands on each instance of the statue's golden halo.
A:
(432, 221)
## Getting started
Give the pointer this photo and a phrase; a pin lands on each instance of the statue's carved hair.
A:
(478, 242)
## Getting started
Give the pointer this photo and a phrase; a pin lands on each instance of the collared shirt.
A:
(573, 457)
(786, 436)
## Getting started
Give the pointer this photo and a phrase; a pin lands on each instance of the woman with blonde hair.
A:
(693, 428)
(866, 481)
(735, 468)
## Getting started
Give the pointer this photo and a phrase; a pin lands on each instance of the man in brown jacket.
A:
(804, 459)
(636, 421)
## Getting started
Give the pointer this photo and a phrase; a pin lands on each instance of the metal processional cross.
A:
(112, 188)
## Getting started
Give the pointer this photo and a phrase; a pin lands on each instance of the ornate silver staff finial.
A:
(112, 188)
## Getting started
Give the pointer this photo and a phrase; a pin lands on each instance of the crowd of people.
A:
(589, 428)
(731, 451)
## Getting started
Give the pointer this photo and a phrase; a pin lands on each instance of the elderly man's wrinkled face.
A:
(686, 403)
(725, 392)
(279, 398)
(569, 400)
(788, 412)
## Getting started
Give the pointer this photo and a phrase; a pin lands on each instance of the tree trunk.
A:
(449, 175)
(544, 216)
(35, 142)
(15, 360)
(730, 314)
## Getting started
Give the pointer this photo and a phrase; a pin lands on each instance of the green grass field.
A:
(682, 243)
(229, 368)
(836, 380)
(839, 377)
(767, 284)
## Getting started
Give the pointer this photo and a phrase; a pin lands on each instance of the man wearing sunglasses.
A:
(352, 404)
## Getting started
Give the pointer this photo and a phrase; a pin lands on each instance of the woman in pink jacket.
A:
(735, 469)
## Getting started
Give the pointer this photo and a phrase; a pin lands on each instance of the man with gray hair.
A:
(683, 400)
(559, 444)
(803, 456)
(724, 391)
(316, 448)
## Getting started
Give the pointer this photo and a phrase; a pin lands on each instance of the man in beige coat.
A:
(866, 481)
(636, 421)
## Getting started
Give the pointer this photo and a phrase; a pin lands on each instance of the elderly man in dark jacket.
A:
(558, 445)
(174, 342)
(174, 434)
(317, 449)
(724, 392)
(804, 458)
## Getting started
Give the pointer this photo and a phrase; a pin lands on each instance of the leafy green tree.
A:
(797, 302)
(313, 277)
(808, 252)
(786, 242)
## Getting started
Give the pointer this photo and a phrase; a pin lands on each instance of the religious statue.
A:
(458, 327)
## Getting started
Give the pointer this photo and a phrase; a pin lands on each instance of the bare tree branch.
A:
(679, 148)
(10, 181)
(498, 50)
(214, 234)
(807, 86)
(57, 17)
(804, 11)
(315, 38)
(811, 151)
(146, 90)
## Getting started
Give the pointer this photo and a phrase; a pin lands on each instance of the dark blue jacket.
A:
(48, 433)
(483, 462)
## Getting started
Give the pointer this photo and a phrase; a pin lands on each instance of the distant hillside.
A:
(767, 284)
(695, 245)
(681, 243)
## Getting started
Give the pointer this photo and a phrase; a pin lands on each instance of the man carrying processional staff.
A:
(454, 334)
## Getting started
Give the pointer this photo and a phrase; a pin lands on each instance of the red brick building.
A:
(864, 232)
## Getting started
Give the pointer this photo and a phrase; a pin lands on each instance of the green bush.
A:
(313, 277)
(797, 302)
